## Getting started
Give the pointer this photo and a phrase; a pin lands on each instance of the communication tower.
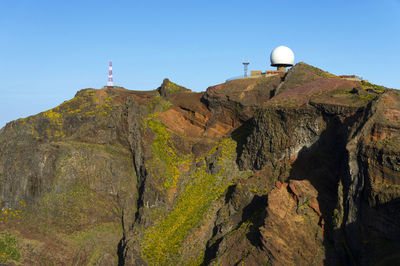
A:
(110, 82)
(245, 65)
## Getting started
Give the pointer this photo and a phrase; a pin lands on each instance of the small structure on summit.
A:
(352, 77)
(282, 57)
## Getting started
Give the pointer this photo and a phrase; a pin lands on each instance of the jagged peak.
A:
(169, 88)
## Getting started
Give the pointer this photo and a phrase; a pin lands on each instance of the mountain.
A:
(294, 169)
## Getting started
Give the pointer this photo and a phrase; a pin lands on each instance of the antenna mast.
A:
(245, 64)
(110, 82)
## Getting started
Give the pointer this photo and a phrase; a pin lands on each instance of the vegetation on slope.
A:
(161, 242)
(166, 160)
(8, 248)
(79, 217)
(86, 105)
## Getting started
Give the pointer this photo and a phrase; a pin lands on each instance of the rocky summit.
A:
(301, 168)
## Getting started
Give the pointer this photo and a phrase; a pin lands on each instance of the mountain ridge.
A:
(172, 176)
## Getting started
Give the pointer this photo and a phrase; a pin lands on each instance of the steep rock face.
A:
(280, 133)
(29, 148)
(294, 169)
(69, 170)
(379, 165)
(288, 231)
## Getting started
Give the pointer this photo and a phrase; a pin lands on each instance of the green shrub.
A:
(373, 87)
(8, 248)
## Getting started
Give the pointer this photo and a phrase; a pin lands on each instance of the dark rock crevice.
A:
(324, 164)
(252, 213)
(324, 160)
(135, 138)
(353, 185)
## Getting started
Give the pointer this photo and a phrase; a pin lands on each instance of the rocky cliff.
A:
(297, 169)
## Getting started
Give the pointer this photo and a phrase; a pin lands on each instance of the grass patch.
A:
(86, 104)
(69, 210)
(8, 248)
(329, 75)
(372, 87)
(158, 105)
(367, 97)
(97, 240)
(172, 87)
(115, 150)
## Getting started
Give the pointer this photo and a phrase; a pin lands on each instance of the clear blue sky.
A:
(51, 49)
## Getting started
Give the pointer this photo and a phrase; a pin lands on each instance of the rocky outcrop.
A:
(238, 99)
(278, 135)
(168, 89)
(292, 233)
(297, 169)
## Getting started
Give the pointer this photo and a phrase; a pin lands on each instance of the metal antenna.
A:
(245, 65)
(110, 82)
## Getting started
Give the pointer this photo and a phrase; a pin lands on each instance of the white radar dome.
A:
(282, 56)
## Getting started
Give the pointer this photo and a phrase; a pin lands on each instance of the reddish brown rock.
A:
(291, 234)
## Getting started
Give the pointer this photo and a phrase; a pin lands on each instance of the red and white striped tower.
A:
(110, 82)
